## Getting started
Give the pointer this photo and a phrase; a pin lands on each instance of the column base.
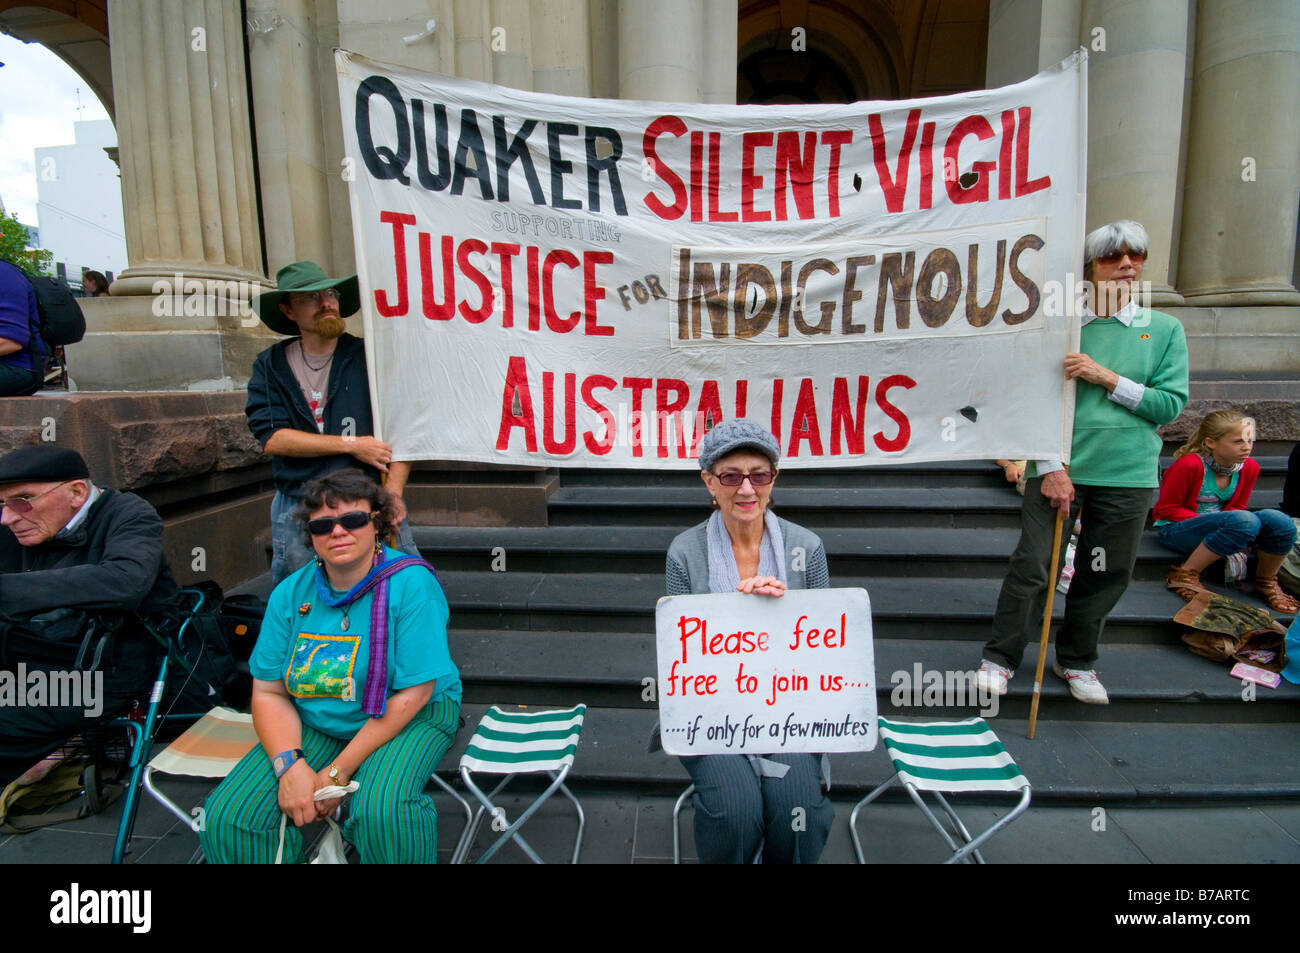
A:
(1271, 294)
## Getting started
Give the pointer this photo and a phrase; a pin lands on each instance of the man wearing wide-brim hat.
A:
(309, 402)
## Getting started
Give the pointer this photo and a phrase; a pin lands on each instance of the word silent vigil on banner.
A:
(760, 298)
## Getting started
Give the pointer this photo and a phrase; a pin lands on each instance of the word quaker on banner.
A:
(549, 280)
(745, 674)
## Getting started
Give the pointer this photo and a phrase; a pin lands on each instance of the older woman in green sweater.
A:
(1132, 377)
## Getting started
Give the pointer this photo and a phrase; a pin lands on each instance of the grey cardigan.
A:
(687, 571)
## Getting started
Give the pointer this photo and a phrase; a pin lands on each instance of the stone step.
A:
(882, 552)
(903, 608)
(1146, 683)
(1089, 763)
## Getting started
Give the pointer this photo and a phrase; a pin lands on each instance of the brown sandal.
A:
(1185, 582)
(1272, 593)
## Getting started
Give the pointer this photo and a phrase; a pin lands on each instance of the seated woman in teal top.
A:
(352, 679)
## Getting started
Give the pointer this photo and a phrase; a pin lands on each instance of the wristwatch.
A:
(333, 774)
(283, 761)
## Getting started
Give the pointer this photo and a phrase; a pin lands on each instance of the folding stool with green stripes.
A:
(948, 756)
(514, 743)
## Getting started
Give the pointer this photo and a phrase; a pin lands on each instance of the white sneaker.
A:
(1085, 686)
(991, 679)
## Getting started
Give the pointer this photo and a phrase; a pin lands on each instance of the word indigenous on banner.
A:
(559, 281)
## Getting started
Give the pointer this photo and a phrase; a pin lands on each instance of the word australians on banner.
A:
(745, 674)
(557, 281)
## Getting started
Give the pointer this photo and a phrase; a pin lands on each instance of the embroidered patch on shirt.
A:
(321, 666)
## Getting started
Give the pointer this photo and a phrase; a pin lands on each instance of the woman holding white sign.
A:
(742, 801)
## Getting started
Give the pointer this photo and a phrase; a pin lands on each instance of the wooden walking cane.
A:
(1061, 515)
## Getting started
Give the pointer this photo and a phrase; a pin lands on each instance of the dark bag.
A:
(63, 638)
(203, 672)
(61, 319)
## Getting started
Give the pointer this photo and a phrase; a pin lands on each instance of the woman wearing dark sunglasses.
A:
(741, 800)
(352, 679)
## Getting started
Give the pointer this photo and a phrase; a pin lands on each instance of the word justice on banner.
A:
(556, 281)
(745, 674)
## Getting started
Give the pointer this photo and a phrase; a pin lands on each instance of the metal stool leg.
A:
(468, 814)
(677, 824)
(853, 818)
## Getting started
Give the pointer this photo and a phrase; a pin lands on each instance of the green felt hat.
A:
(304, 276)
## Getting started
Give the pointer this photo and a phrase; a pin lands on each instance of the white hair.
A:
(1111, 238)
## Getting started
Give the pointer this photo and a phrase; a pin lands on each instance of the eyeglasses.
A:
(1115, 257)
(757, 478)
(22, 505)
(324, 525)
(316, 297)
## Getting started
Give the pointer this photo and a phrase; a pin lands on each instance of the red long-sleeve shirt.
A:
(1182, 485)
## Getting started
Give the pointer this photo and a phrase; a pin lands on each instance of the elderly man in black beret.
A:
(79, 565)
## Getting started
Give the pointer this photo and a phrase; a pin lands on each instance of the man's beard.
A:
(330, 326)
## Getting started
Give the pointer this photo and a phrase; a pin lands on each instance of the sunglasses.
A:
(316, 297)
(757, 478)
(324, 525)
(22, 505)
(1115, 257)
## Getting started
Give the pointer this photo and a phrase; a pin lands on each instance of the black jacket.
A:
(114, 560)
(275, 402)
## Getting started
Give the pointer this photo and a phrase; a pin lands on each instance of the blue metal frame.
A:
(144, 736)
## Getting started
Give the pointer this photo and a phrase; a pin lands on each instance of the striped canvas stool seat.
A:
(512, 743)
(209, 748)
(948, 757)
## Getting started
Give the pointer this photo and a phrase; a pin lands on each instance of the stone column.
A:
(1027, 36)
(718, 70)
(183, 130)
(511, 42)
(562, 47)
(1243, 161)
(660, 50)
(1135, 109)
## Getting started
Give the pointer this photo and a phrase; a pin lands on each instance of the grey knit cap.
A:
(732, 435)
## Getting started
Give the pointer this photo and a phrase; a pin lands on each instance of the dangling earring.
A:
(379, 546)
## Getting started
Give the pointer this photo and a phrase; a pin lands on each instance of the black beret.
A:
(42, 463)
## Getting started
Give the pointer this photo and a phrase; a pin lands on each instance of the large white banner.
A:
(557, 281)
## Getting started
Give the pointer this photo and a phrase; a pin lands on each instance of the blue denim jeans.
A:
(1231, 531)
(290, 552)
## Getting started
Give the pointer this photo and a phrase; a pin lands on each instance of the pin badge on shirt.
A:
(1144, 337)
(304, 608)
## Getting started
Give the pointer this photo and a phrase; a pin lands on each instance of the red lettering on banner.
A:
(445, 309)
(978, 127)
(707, 412)
(798, 169)
(904, 435)
(1004, 154)
(835, 138)
(638, 386)
(927, 164)
(517, 388)
(842, 416)
(484, 311)
(506, 251)
(1022, 159)
(893, 186)
(606, 442)
(553, 321)
(805, 426)
(399, 221)
(666, 408)
(592, 292)
(749, 182)
(697, 176)
(548, 414)
(715, 180)
(673, 126)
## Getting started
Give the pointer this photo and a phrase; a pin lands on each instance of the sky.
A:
(38, 105)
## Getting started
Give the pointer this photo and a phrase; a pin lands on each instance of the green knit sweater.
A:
(1115, 446)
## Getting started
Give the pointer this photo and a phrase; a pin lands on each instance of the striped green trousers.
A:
(390, 818)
